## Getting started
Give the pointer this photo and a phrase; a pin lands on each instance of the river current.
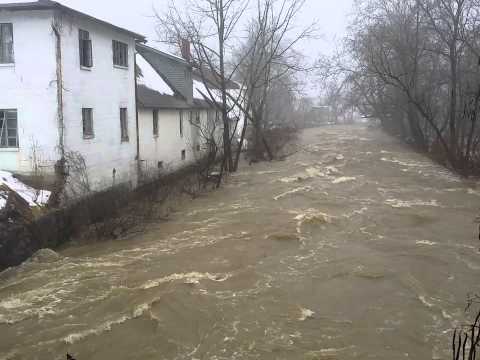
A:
(354, 247)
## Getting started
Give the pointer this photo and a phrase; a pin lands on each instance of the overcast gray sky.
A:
(137, 16)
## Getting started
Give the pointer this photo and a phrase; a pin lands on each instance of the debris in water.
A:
(306, 314)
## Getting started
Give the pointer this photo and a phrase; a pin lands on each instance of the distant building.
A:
(320, 115)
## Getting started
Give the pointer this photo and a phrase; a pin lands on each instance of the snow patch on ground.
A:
(32, 196)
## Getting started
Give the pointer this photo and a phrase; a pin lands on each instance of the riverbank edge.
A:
(105, 215)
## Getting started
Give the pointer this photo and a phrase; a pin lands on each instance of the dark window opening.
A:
(8, 129)
(183, 154)
(6, 43)
(124, 124)
(181, 123)
(85, 46)
(155, 122)
(160, 165)
(120, 53)
(87, 123)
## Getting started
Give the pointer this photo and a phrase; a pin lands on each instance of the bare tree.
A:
(209, 26)
(267, 54)
(414, 65)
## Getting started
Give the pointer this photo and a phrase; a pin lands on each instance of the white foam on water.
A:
(424, 301)
(396, 203)
(293, 191)
(311, 215)
(288, 180)
(332, 170)
(343, 179)
(191, 277)
(314, 172)
(403, 163)
(106, 326)
(425, 242)
(473, 192)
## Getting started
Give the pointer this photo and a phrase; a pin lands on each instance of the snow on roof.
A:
(200, 92)
(151, 78)
(32, 196)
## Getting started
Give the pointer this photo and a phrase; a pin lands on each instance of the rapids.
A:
(354, 247)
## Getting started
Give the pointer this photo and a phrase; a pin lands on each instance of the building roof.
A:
(53, 5)
(212, 79)
(146, 48)
(150, 77)
(170, 68)
(152, 99)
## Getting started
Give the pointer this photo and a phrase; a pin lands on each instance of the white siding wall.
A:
(168, 145)
(106, 89)
(29, 87)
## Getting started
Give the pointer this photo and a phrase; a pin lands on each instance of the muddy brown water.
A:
(353, 248)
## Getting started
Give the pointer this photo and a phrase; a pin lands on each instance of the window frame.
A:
(5, 129)
(7, 57)
(85, 49)
(91, 133)
(155, 122)
(120, 54)
(124, 137)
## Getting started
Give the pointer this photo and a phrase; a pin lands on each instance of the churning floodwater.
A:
(354, 247)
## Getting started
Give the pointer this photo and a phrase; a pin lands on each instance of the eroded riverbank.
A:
(354, 247)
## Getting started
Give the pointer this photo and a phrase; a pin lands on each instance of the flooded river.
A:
(354, 247)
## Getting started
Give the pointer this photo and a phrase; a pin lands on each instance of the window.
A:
(160, 164)
(183, 154)
(124, 124)
(120, 53)
(6, 43)
(197, 118)
(87, 122)
(85, 46)
(8, 129)
(155, 122)
(181, 123)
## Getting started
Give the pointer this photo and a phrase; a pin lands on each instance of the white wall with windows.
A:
(28, 105)
(174, 144)
(99, 75)
(98, 97)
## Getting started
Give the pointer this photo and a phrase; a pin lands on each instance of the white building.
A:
(67, 85)
(174, 126)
